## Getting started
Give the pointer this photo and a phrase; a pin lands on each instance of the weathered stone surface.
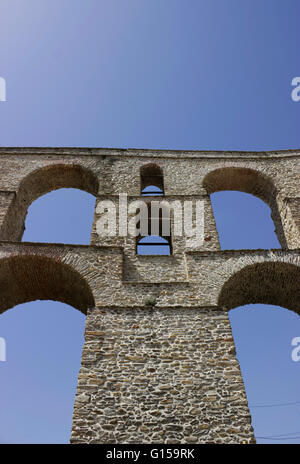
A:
(165, 371)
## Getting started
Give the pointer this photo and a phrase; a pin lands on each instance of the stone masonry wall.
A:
(160, 376)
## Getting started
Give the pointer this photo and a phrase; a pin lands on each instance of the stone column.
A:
(290, 216)
(9, 219)
(160, 375)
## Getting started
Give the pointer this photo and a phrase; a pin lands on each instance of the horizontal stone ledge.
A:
(143, 308)
(243, 252)
(148, 152)
(148, 199)
(66, 246)
(151, 283)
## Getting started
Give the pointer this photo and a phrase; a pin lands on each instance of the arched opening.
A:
(152, 184)
(243, 221)
(44, 402)
(273, 283)
(263, 299)
(61, 216)
(44, 341)
(29, 278)
(263, 337)
(40, 182)
(234, 209)
(155, 235)
(152, 180)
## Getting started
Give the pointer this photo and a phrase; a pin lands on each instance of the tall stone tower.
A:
(158, 363)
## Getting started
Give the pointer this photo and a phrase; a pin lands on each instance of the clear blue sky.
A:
(212, 74)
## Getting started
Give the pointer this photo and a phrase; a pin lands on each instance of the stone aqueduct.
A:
(165, 372)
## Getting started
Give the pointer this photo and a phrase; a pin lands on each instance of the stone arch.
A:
(40, 182)
(248, 181)
(241, 179)
(273, 283)
(152, 175)
(27, 278)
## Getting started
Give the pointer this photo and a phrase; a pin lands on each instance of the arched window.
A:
(152, 181)
(152, 184)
